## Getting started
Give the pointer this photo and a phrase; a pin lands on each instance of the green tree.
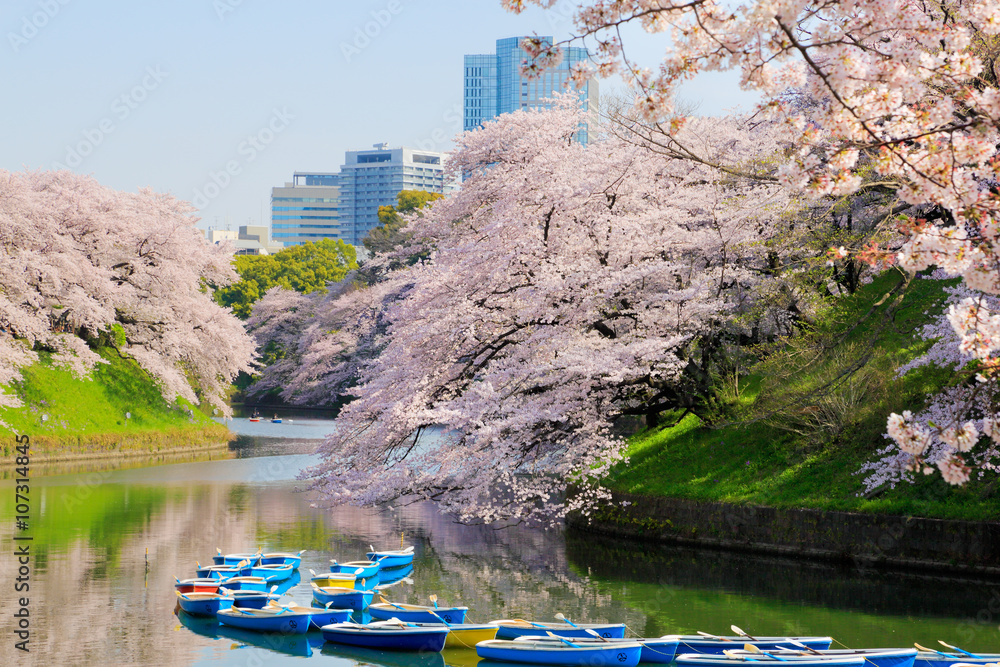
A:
(391, 234)
(303, 268)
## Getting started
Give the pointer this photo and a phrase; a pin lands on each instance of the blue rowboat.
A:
(203, 604)
(266, 620)
(555, 652)
(659, 649)
(342, 598)
(317, 616)
(392, 559)
(946, 659)
(272, 573)
(717, 644)
(258, 584)
(512, 629)
(368, 569)
(415, 613)
(874, 657)
(233, 559)
(282, 558)
(393, 637)
(739, 658)
(221, 571)
(251, 599)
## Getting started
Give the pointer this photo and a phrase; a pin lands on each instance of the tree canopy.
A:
(301, 268)
(390, 234)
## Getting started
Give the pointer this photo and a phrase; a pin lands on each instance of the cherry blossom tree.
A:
(904, 96)
(84, 264)
(562, 287)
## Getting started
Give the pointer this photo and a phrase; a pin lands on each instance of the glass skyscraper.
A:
(494, 83)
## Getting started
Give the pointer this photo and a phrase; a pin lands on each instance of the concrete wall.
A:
(861, 538)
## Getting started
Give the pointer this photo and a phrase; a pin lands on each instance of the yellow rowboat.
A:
(334, 579)
(460, 635)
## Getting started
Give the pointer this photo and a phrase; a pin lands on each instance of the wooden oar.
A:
(434, 600)
(736, 656)
(794, 642)
(563, 640)
(705, 634)
(591, 631)
(955, 648)
(932, 650)
(755, 649)
(741, 633)
(434, 614)
(383, 599)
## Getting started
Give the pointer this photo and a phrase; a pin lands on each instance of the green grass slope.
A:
(118, 410)
(779, 442)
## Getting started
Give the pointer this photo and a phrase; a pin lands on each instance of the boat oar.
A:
(741, 633)
(794, 642)
(736, 656)
(750, 648)
(563, 640)
(932, 650)
(955, 648)
(383, 599)
(434, 600)
(434, 614)
(591, 631)
(562, 617)
(705, 634)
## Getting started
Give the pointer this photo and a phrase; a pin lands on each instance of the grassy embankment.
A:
(777, 443)
(67, 417)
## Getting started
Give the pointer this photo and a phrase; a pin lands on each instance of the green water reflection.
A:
(96, 599)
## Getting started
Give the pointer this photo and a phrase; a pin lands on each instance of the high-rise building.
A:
(373, 178)
(344, 205)
(494, 84)
(307, 209)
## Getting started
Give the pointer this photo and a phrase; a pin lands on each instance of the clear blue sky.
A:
(165, 94)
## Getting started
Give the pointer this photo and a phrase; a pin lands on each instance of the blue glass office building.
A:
(494, 83)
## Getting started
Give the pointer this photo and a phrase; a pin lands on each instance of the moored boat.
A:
(565, 653)
(948, 659)
(874, 657)
(658, 650)
(266, 620)
(513, 628)
(317, 616)
(232, 559)
(204, 604)
(460, 635)
(335, 580)
(395, 636)
(246, 584)
(732, 657)
(250, 599)
(392, 558)
(272, 573)
(714, 644)
(415, 613)
(368, 568)
(282, 558)
(342, 598)
(200, 585)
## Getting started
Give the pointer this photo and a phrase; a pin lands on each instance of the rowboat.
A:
(460, 635)
(341, 598)
(221, 571)
(250, 599)
(204, 604)
(555, 652)
(272, 573)
(266, 620)
(392, 558)
(254, 419)
(511, 629)
(717, 644)
(368, 568)
(659, 649)
(945, 659)
(317, 616)
(276, 421)
(201, 585)
(282, 558)
(874, 657)
(396, 637)
(335, 580)
(415, 613)
(241, 583)
(732, 658)
(232, 559)
(289, 644)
